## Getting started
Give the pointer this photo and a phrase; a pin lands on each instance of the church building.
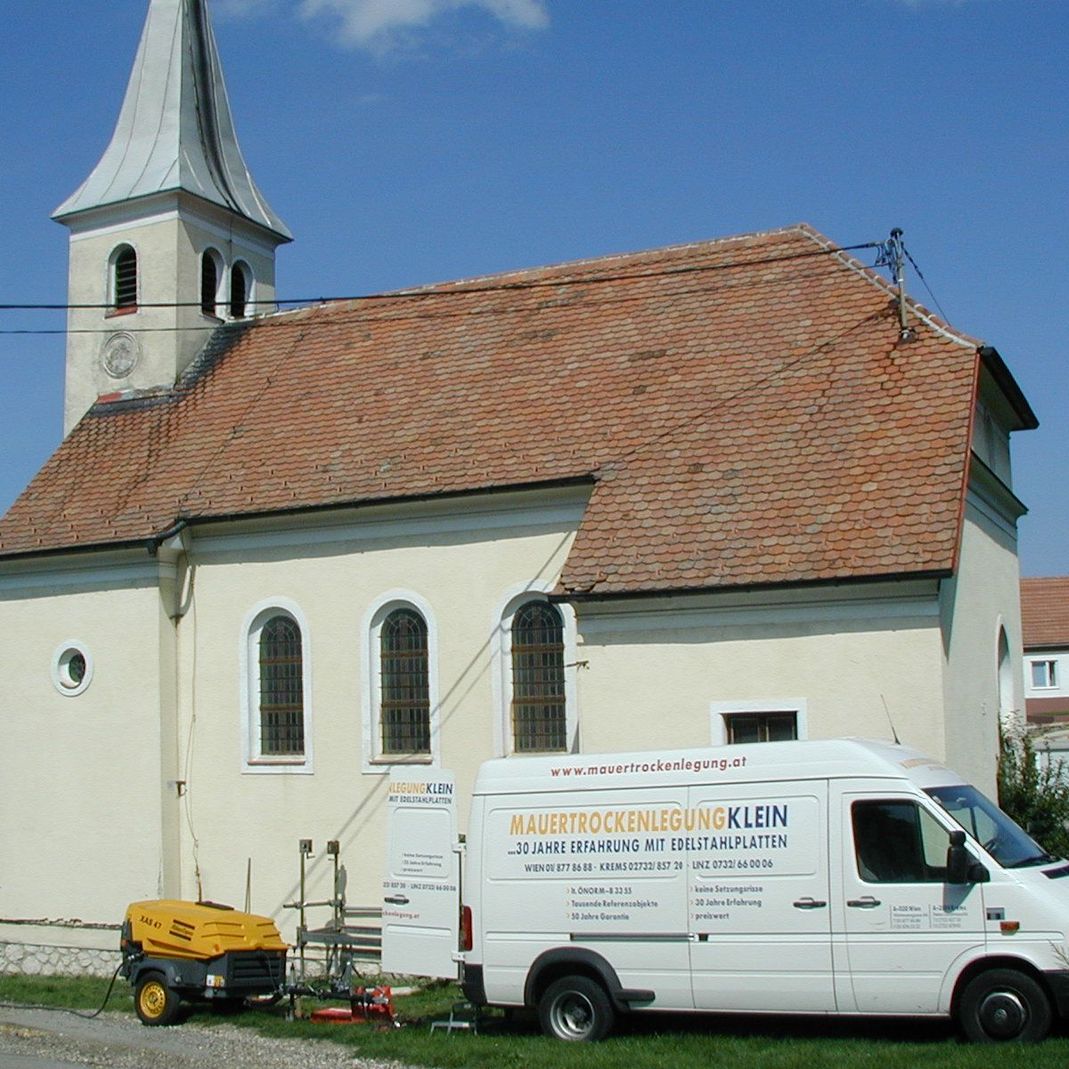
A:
(727, 491)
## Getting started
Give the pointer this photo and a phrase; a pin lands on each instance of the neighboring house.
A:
(1045, 637)
(1045, 634)
(702, 494)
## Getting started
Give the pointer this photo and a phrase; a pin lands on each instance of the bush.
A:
(1034, 793)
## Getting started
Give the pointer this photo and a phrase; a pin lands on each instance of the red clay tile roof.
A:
(744, 407)
(1045, 612)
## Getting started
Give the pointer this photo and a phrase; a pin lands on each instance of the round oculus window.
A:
(72, 669)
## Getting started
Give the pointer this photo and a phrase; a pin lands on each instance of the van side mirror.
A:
(961, 868)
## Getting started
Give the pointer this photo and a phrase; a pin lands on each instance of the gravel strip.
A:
(54, 1038)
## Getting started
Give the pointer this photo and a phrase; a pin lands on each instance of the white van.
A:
(824, 877)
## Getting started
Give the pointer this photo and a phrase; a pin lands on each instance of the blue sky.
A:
(411, 141)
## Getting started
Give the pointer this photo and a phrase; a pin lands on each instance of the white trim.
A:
(382, 523)
(125, 219)
(373, 761)
(501, 665)
(65, 580)
(635, 617)
(249, 689)
(61, 658)
(720, 710)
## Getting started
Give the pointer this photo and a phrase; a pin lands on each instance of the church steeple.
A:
(169, 229)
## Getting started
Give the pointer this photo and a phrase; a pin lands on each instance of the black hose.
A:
(107, 995)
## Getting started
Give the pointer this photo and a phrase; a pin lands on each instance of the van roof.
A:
(755, 762)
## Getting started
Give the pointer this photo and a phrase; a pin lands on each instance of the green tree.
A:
(1034, 793)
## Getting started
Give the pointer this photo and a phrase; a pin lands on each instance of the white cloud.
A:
(374, 23)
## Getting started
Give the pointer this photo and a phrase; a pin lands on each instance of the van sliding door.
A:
(758, 898)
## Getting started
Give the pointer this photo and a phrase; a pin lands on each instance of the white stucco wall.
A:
(81, 794)
(139, 787)
(169, 235)
(981, 600)
(461, 562)
(856, 659)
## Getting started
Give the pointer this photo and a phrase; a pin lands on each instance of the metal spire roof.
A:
(175, 130)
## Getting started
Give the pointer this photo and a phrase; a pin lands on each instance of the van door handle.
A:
(809, 903)
(868, 902)
(396, 900)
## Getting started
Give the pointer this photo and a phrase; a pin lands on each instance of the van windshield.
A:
(1007, 843)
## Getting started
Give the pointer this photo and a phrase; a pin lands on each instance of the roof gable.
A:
(744, 406)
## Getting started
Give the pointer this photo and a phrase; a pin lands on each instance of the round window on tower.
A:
(72, 668)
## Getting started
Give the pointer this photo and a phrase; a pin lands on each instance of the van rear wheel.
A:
(577, 1009)
(1004, 1006)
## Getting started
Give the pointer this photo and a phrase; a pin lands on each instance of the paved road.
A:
(54, 1039)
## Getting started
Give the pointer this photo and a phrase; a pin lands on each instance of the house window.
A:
(538, 714)
(281, 688)
(760, 727)
(1044, 674)
(775, 719)
(240, 277)
(210, 271)
(124, 279)
(404, 680)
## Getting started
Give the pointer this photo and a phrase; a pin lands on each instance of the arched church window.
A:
(210, 273)
(240, 286)
(539, 714)
(124, 278)
(404, 676)
(281, 671)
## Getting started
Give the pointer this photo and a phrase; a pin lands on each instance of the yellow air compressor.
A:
(198, 952)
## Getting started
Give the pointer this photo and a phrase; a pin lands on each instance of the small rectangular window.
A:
(761, 727)
(1044, 674)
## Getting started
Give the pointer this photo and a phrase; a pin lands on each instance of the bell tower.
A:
(169, 234)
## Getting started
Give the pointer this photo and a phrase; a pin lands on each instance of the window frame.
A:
(934, 874)
(721, 712)
(128, 307)
(240, 269)
(398, 667)
(501, 673)
(374, 759)
(212, 256)
(62, 677)
(1051, 673)
(253, 758)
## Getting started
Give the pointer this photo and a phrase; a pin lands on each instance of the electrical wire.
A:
(64, 1009)
(920, 275)
(453, 289)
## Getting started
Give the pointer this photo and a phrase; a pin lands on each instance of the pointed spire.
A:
(175, 130)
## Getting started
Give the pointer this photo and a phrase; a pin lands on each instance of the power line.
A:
(920, 275)
(453, 289)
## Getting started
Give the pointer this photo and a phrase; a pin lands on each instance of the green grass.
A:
(651, 1042)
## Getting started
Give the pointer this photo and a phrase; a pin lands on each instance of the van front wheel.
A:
(577, 1009)
(1004, 1006)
